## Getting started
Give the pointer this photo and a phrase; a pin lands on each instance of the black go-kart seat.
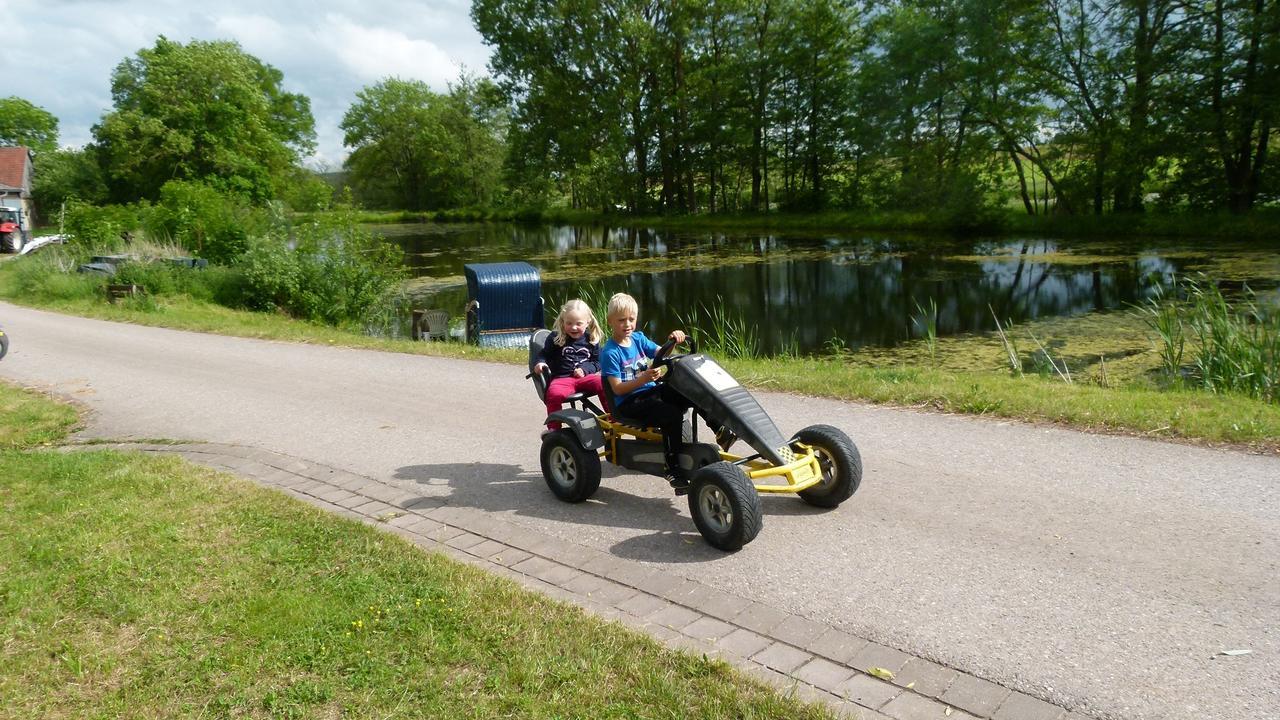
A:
(537, 341)
(611, 404)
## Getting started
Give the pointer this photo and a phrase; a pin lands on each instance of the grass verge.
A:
(147, 587)
(1125, 408)
(28, 420)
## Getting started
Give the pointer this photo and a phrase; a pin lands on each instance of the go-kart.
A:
(820, 463)
(4, 343)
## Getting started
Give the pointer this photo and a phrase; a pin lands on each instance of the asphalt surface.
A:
(1102, 574)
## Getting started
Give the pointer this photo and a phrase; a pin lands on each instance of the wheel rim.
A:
(827, 464)
(564, 471)
(717, 512)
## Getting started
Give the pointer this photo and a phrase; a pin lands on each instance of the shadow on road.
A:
(504, 488)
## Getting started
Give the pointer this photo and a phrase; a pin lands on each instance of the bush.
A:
(334, 272)
(102, 229)
(271, 274)
(209, 223)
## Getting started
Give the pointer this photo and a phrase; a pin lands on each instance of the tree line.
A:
(210, 114)
(729, 106)
(1071, 106)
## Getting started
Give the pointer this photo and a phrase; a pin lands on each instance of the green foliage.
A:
(206, 112)
(305, 191)
(64, 175)
(953, 107)
(100, 228)
(417, 150)
(331, 271)
(22, 123)
(722, 331)
(49, 276)
(211, 224)
(1235, 347)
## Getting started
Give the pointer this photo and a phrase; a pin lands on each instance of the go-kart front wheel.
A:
(725, 506)
(571, 471)
(841, 465)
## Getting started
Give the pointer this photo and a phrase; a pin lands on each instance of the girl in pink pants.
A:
(572, 354)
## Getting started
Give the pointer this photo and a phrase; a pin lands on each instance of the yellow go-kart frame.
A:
(820, 463)
(796, 476)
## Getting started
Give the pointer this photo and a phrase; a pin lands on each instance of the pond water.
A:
(808, 292)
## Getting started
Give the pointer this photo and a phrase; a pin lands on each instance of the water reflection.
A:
(801, 292)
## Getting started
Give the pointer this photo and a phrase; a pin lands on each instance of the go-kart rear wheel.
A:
(841, 465)
(725, 506)
(571, 471)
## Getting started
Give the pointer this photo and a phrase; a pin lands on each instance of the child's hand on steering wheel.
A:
(677, 335)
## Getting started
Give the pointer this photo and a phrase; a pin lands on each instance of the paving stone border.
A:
(815, 662)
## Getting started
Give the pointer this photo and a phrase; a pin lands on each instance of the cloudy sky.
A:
(59, 54)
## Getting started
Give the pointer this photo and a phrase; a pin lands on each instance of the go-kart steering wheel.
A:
(660, 358)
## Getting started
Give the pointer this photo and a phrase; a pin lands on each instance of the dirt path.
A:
(1104, 574)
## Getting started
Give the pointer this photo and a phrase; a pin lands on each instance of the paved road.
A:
(1103, 574)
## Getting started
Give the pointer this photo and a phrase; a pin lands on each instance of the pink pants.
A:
(561, 388)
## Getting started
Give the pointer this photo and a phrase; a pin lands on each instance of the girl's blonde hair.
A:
(593, 333)
(622, 302)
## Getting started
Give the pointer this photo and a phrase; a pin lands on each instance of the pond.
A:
(809, 292)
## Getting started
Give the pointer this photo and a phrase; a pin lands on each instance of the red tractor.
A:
(13, 236)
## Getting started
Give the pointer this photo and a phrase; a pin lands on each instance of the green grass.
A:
(145, 587)
(1262, 224)
(28, 419)
(957, 376)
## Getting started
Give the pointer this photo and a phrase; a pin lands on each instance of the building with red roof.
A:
(16, 206)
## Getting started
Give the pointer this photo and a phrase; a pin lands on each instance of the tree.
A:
(417, 149)
(61, 175)
(1232, 102)
(22, 123)
(207, 112)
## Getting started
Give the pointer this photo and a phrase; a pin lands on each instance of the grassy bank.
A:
(1262, 224)
(1126, 404)
(146, 587)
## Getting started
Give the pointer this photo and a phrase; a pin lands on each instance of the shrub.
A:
(271, 274)
(212, 224)
(104, 228)
(333, 271)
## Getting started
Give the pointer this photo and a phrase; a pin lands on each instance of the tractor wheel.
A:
(725, 506)
(841, 465)
(571, 471)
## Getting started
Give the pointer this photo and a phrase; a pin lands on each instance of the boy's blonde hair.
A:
(622, 302)
(593, 333)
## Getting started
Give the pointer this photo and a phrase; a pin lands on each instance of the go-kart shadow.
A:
(494, 487)
(500, 488)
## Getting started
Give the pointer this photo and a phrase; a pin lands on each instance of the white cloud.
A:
(60, 54)
(374, 53)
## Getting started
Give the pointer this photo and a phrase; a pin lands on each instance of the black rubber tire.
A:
(571, 471)
(4, 343)
(841, 465)
(725, 506)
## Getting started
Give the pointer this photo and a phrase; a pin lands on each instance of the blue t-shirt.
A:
(624, 362)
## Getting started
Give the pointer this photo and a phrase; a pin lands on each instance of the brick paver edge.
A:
(310, 481)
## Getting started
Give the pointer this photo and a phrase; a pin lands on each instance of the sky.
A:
(59, 54)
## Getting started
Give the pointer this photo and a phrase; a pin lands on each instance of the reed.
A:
(1235, 346)
(721, 331)
(1010, 349)
(928, 323)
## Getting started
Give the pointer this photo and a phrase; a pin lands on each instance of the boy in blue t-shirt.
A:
(624, 363)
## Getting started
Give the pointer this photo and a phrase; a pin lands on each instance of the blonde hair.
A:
(593, 333)
(622, 302)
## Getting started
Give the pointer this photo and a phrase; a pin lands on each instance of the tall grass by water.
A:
(1234, 347)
